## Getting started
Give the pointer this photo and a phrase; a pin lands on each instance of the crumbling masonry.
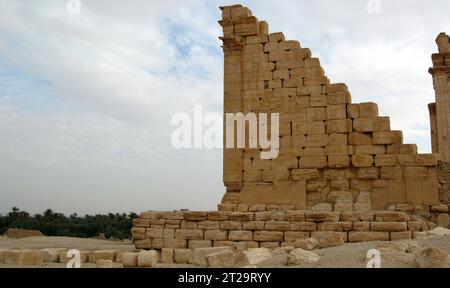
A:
(340, 171)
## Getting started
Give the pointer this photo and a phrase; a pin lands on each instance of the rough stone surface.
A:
(299, 256)
(148, 258)
(433, 258)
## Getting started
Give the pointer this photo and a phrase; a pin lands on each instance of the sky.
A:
(87, 96)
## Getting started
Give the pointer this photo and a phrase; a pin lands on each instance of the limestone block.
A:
(337, 140)
(241, 216)
(277, 226)
(443, 220)
(322, 216)
(337, 150)
(388, 216)
(316, 114)
(298, 216)
(388, 226)
(218, 259)
(194, 215)
(169, 233)
(305, 174)
(292, 236)
(335, 112)
(240, 235)
(338, 161)
(322, 207)
(368, 173)
(339, 126)
(391, 173)
(194, 244)
(313, 162)
(182, 256)
(353, 111)
(441, 208)
(276, 37)
(362, 160)
(275, 175)
(199, 255)
(130, 259)
(340, 197)
(218, 215)
(343, 207)
(289, 45)
(148, 258)
(361, 226)
(239, 208)
(328, 239)
(174, 243)
(265, 236)
(406, 159)
(306, 244)
(94, 256)
(357, 236)
(189, 234)
(248, 258)
(186, 225)
(299, 256)
(138, 233)
(359, 139)
(314, 152)
(368, 110)
(216, 235)
(387, 137)
(246, 26)
(244, 245)
(426, 160)
(23, 257)
(409, 149)
(270, 215)
(318, 100)
(341, 97)
(403, 235)
(385, 160)
(416, 173)
(231, 225)
(358, 216)
(259, 39)
(369, 149)
(335, 226)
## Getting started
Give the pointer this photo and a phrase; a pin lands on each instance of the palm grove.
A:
(51, 223)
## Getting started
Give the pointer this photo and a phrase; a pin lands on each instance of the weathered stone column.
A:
(441, 82)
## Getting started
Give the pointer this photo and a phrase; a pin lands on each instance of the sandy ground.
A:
(65, 242)
(350, 255)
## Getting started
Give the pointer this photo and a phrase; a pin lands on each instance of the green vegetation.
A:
(51, 223)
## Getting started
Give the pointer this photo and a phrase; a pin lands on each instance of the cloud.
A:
(86, 99)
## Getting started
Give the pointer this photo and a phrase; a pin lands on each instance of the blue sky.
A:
(86, 99)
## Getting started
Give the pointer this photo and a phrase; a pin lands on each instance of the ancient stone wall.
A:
(331, 149)
(269, 229)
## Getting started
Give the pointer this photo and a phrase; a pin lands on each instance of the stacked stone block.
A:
(327, 143)
(270, 229)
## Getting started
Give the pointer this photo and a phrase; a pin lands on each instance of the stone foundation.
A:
(269, 229)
